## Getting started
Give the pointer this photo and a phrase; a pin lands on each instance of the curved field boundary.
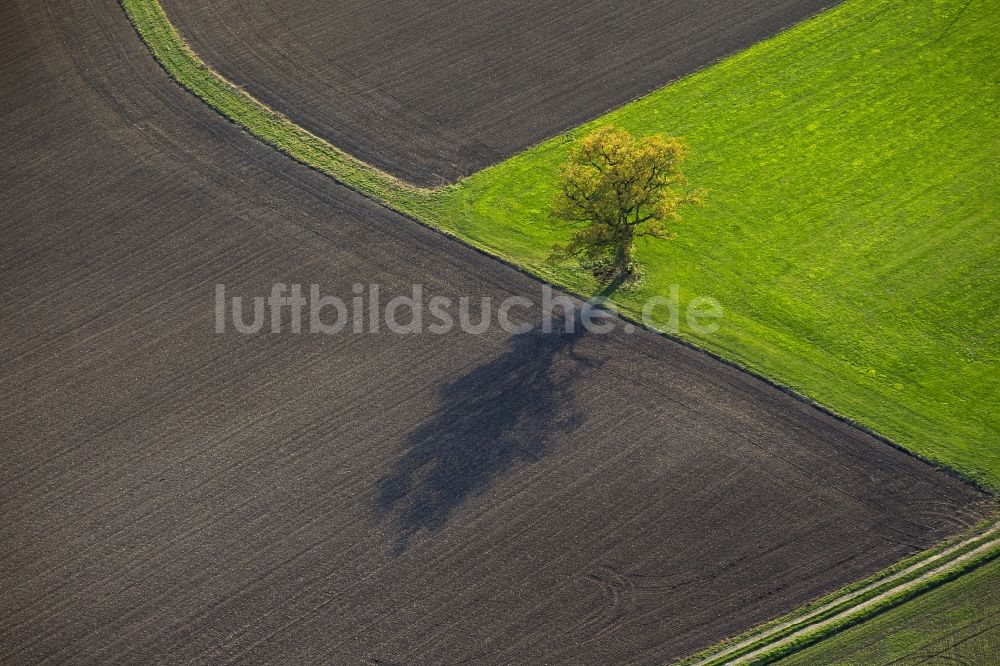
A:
(855, 603)
(268, 125)
(769, 642)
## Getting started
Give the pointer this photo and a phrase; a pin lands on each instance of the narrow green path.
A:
(237, 105)
(956, 623)
(856, 603)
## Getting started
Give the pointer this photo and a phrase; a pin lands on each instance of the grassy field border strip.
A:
(184, 66)
(900, 572)
(854, 603)
(820, 631)
(844, 600)
(189, 70)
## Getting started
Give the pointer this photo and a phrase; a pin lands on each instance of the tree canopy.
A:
(615, 188)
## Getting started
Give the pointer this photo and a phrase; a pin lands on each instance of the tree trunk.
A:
(623, 254)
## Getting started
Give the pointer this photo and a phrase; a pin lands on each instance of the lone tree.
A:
(615, 188)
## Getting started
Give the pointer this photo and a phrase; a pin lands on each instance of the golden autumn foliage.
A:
(615, 188)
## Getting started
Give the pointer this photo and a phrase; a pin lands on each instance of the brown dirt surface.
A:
(172, 495)
(432, 91)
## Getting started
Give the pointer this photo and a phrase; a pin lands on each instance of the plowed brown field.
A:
(433, 90)
(173, 495)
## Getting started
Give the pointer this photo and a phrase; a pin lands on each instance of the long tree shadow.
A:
(501, 412)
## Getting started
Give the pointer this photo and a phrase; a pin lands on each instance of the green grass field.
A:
(956, 623)
(851, 229)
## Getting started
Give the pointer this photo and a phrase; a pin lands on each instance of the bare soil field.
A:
(431, 90)
(174, 495)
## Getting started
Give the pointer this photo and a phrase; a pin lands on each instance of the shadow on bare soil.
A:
(498, 414)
